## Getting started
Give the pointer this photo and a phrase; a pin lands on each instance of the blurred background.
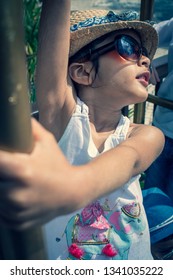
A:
(162, 9)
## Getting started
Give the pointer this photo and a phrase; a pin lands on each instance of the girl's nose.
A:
(144, 60)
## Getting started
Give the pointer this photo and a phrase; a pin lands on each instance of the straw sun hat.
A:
(87, 26)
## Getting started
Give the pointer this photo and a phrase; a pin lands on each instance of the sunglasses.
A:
(126, 46)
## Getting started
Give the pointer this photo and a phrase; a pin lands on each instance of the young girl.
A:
(84, 79)
(108, 68)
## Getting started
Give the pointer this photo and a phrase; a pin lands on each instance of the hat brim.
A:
(85, 36)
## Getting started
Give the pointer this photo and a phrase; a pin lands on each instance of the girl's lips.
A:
(143, 81)
(144, 78)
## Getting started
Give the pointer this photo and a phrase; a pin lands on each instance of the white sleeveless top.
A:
(113, 227)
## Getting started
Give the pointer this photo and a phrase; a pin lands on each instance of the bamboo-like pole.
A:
(15, 124)
(15, 127)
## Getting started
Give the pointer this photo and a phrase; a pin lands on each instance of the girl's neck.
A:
(104, 119)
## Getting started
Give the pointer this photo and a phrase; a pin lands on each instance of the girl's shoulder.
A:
(147, 131)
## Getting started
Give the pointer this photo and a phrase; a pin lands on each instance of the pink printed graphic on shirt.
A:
(114, 220)
(92, 225)
(92, 214)
(110, 233)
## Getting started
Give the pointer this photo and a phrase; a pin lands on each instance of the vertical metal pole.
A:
(15, 124)
(146, 13)
(146, 10)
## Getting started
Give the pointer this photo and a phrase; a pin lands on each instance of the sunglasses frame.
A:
(94, 53)
(114, 46)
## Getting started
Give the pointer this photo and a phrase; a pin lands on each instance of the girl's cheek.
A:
(114, 55)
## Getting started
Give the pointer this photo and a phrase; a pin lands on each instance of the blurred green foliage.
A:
(32, 9)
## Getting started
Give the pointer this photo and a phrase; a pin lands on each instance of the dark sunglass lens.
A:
(128, 48)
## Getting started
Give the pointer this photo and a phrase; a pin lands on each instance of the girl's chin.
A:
(142, 96)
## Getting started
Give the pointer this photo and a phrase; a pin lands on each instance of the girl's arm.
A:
(38, 187)
(54, 96)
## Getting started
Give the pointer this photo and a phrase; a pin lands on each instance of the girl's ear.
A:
(82, 72)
